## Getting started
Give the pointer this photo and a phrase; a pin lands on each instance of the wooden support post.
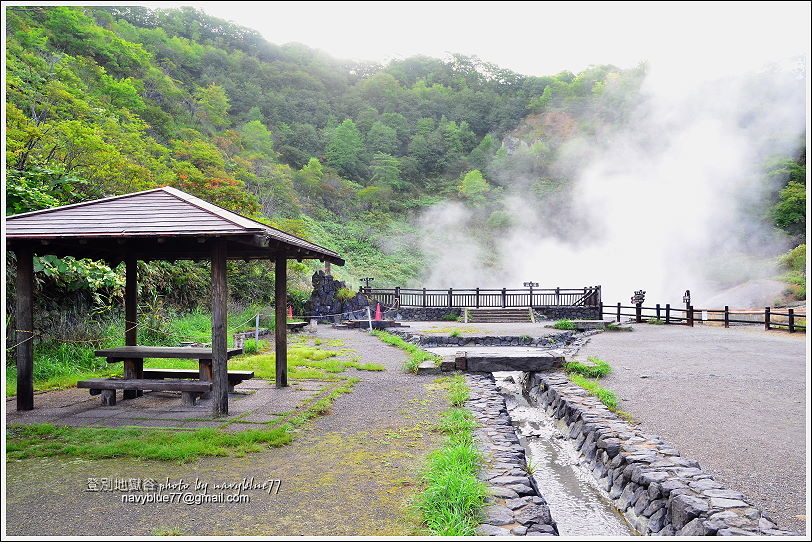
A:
(791, 320)
(668, 313)
(531, 295)
(618, 309)
(450, 297)
(477, 298)
(638, 310)
(658, 311)
(727, 316)
(690, 316)
(600, 305)
(396, 301)
(131, 368)
(24, 322)
(504, 296)
(424, 297)
(280, 297)
(558, 301)
(219, 324)
(767, 318)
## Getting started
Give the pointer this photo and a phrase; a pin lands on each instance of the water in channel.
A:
(576, 502)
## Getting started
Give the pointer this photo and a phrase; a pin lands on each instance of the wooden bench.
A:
(296, 326)
(190, 389)
(234, 377)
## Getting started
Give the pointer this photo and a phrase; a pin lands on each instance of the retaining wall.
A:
(657, 490)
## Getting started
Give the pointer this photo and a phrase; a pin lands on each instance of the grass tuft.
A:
(416, 355)
(606, 397)
(451, 503)
(597, 369)
(564, 324)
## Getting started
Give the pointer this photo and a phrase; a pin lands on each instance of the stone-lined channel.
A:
(577, 504)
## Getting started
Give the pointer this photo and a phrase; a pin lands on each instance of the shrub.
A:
(455, 333)
(564, 324)
(450, 317)
(345, 294)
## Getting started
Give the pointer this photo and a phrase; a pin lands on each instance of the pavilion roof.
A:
(163, 223)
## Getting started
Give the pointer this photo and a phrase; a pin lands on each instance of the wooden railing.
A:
(588, 296)
(666, 314)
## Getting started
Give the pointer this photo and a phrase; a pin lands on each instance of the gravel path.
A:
(733, 399)
(350, 472)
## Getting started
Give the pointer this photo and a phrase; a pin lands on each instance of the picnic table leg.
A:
(205, 374)
(133, 368)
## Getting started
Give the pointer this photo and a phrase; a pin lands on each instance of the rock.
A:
(496, 514)
(509, 480)
(733, 531)
(519, 530)
(654, 506)
(502, 492)
(515, 504)
(724, 494)
(657, 521)
(684, 508)
(534, 513)
(492, 530)
(695, 527)
(706, 484)
(716, 502)
(522, 489)
(765, 524)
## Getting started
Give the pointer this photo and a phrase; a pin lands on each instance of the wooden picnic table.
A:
(133, 358)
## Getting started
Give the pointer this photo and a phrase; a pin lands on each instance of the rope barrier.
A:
(195, 337)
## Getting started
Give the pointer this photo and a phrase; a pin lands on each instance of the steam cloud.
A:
(659, 204)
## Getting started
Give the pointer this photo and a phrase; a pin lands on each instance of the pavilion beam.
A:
(25, 327)
(280, 300)
(219, 339)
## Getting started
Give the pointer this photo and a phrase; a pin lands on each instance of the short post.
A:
(600, 305)
(424, 297)
(558, 301)
(767, 318)
(450, 297)
(504, 296)
(690, 316)
(477, 298)
(727, 316)
(791, 320)
(658, 311)
(369, 318)
(668, 313)
(638, 310)
(618, 309)
(397, 296)
(256, 332)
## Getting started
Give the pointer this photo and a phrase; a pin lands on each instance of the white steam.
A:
(657, 205)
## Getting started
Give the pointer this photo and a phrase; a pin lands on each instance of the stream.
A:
(576, 502)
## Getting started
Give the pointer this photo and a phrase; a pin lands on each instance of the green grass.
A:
(655, 321)
(451, 317)
(59, 364)
(564, 324)
(597, 369)
(416, 355)
(455, 333)
(452, 500)
(606, 397)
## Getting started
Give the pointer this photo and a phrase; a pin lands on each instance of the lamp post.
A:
(530, 285)
(366, 281)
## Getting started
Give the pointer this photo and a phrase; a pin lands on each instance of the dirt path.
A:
(733, 399)
(350, 472)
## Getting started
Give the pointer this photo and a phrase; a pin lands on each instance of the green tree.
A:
(382, 139)
(345, 151)
(213, 106)
(474, 187)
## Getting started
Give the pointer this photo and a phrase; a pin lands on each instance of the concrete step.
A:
(498, 315)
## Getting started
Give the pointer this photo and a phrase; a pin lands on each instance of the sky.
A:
(535, 38)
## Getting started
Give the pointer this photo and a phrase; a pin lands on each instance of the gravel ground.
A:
(474, 329)
(733, 399)
(350, 472)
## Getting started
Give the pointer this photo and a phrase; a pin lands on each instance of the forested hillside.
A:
(104, 101)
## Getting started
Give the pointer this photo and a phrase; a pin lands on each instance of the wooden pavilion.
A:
(160, 224)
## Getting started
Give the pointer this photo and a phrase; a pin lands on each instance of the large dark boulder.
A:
(324, 300)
